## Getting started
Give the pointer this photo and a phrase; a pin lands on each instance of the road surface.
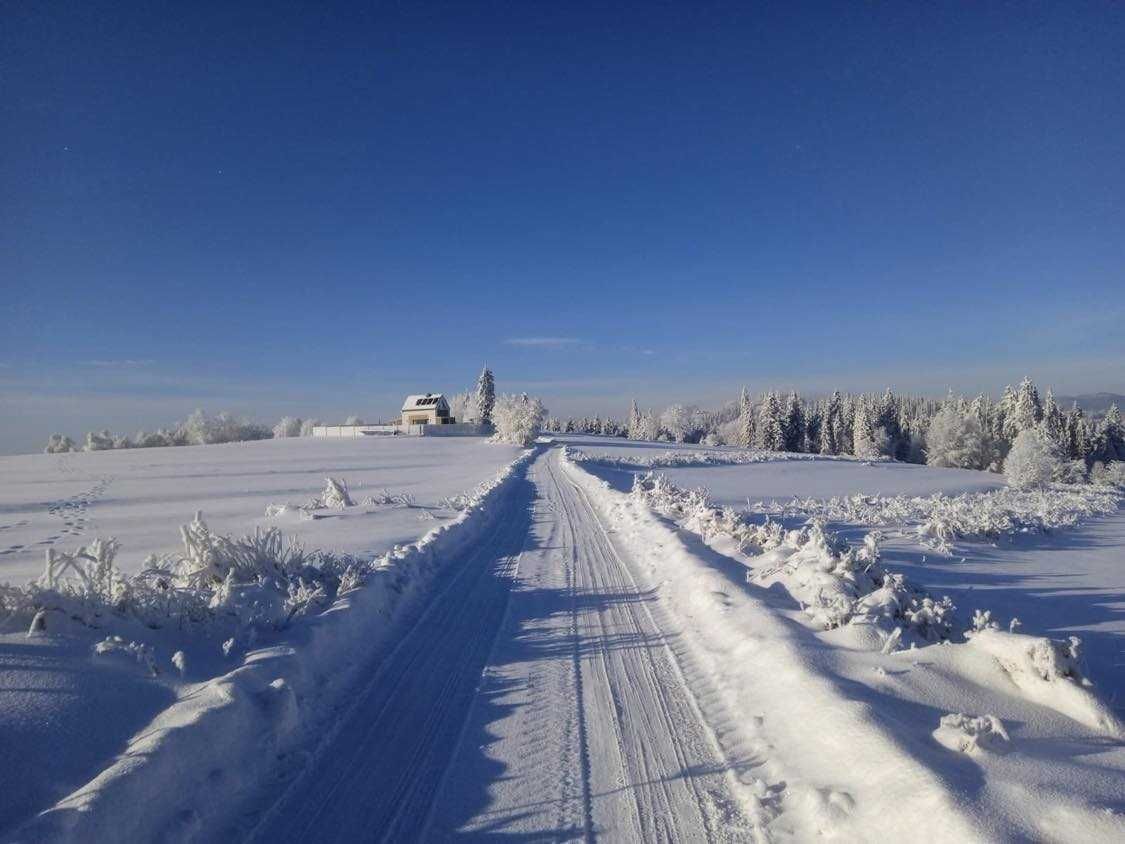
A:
(536, 699)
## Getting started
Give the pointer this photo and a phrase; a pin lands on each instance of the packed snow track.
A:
(536, 698)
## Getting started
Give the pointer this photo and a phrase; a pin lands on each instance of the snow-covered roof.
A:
(424, 402)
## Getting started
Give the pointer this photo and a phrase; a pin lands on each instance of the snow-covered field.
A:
(66, 712)
(142, 496)
(567, 656)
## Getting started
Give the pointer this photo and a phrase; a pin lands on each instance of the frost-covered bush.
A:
(835, 583)
(98, 441)
(201, 429)
(59, 444)
(386, 498)
(307, 427)
(940, 519)
(1109, 474)
(1033, 460)
(956, 440)
(353, 420)
(518, 419)
(234, 583)
(287, 426)
(335, 495)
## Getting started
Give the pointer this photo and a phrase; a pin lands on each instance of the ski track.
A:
(540, 696)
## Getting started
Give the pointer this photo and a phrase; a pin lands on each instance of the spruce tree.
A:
(793, 422)
(745, 420)
(1111, 436)
(486, 396)
(771, 428)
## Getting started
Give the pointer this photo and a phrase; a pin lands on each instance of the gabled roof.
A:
(424, 402)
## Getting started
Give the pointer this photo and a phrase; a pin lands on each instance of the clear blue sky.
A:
(288, 208)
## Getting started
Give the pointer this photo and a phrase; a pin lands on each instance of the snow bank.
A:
(814, 755)
(840, 739)
(1047, 672)
(224, 734)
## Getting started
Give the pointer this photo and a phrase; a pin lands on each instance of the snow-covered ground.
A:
(566, 658)
(142, 496)
(66, 712)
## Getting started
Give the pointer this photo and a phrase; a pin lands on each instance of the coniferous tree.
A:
(485, 397)
(863, 431)
(745, 420)
(831, 439)
(793, 423)
(1054, 423)
(770, 428)
(1027, 412)
(1111, 436)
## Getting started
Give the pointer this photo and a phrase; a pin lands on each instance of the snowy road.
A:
(537, 698)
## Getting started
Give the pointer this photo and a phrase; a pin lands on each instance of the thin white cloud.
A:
(115, 364)
(543, 342)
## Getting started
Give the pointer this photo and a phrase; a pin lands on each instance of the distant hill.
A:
(1093, 404)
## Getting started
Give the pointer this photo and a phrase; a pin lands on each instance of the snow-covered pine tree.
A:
(633, 425)
(745, 420)
(1054, 423)
(485, 396)
(814, 423)
(793, 423)
(831, 438)
(1027, 411)
(771, 424)
(1111, 436)
(863, 430)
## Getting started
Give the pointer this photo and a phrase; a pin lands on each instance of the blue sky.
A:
(289, 208)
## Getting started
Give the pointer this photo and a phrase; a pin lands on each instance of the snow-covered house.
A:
(430, 409)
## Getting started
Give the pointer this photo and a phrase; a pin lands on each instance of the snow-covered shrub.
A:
(287, 426)
(202, 429)
(955, 439)
(940, 519)
(335, 495)
(1108, 474)
(834, 583)
(59, 444)
(353, 420)
(518, 419)
(966, 734)
(1071, 472)
(386, 498)
(1033, 460)
(307, 427)
(98, 441)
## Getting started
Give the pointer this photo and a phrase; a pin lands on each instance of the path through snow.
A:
(537, 697)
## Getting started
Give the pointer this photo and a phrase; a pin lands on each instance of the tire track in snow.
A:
(546, 706)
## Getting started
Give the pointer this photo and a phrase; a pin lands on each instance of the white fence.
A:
(459, 429)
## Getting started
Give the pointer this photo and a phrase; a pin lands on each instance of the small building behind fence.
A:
(425, 415)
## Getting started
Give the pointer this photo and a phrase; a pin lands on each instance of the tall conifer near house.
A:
(486, 396)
